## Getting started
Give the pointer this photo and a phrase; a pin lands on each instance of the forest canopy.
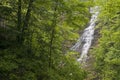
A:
(36, 37)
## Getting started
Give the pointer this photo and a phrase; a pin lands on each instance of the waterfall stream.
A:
(84, 42)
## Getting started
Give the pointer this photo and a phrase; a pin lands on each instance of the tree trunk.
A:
(19, 20)
(27, 19)
(52, 35)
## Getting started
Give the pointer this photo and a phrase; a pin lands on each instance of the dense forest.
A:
(36, 37)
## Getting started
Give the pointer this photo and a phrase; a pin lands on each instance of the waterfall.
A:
(84, 42)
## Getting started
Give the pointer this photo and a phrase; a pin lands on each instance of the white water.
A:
(84, 42)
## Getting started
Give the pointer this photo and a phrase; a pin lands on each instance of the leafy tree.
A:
(107, 52)
(36, 38)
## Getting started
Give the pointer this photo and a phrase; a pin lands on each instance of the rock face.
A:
(85, 41)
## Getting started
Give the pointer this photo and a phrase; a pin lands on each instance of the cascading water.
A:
(84, 42)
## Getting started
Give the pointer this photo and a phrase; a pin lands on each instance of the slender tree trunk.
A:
(27, 18)
(52, 35)
(19, 20)
(51, 47)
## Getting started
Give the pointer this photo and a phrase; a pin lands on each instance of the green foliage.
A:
(36, 36)
(107, 52)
